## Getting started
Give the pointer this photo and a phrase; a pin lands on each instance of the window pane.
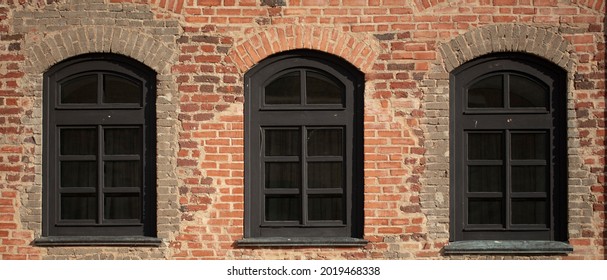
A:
(485, 146)
(325, 175)
(485, 179)
(529, 211)
(122, 174)
(283, 175)
(123, 206)
(282, 142)
(284, 90)
(325, 142)
(529, 179)
(527, 93)
(487, 93)
(78, 141)
(120, 90)
(122, 141)
(484, 211)
(529, 145)
(283, 208)
(78, 174)
(322, 89)
(325, 207)
(78, 207)
(79, 90)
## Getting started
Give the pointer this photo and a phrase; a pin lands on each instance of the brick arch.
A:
(507, 38)
(58, 46)
(358, 50)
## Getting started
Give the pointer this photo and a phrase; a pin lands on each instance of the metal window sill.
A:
(301, 242)
(508, 247)
(130, 241)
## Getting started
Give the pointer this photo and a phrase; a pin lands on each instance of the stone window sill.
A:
(508, 247)
(302, 242)
(130, 241)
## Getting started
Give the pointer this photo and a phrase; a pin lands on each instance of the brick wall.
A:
(201, 50)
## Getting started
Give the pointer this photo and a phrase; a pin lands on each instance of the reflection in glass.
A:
(325, 207)
(322, 89)
(78, 174)
(283, 175)
(485, 179)
(529, 179)
(484, 211)
(122, 141)
(282, 142)
(284, 90)
(78, 141)
(123, 206)
(529, 211)
(485, 146)
(78, 207)
(487, 93)
(325, 142)
(527, 93)
(122, 174)
(120, 90)
(79, 90)
(283, 208)
(529, 145)
(325, 175)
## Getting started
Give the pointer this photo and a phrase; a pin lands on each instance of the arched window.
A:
(99, 148)
(508, 149)
(303, 151)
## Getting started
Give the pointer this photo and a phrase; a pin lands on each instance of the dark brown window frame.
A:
(346, 116)
(464, 119)
(99, 115)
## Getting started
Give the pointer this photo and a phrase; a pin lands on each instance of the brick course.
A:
(201, 50)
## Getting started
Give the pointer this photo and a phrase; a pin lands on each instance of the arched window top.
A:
(507, 90)
(304, 86)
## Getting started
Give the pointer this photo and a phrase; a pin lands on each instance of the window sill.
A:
(302, 242)
(508, 247)
(131, 241)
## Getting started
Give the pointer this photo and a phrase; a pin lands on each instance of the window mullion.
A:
(304, 175)
(100, 88)
(508, 190)
(302, 77)
(506, 81)
(100, 174)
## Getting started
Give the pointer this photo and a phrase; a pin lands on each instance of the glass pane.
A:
(529, 179)
(529, 211)
(325, 142)
(78, 174)
(322, 89)
(485, 179)
(123, 206)
(78, 141)
(485, 146)
(325, 175)
(325, 207)
(283, 175)
(282, 142)
(284, 90)
(283, 208)
(484, 211)
(527, 93)
(122, 174)
(529, 145)
(78, 207)
(79, 90)
(120, 90)
(487, 93)
(122, 141)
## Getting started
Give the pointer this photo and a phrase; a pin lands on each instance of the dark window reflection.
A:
(487, 93)
(78, 174)
(78, 207)
(485, 146)
(485, 179)
(325, 142)
(123, 174)
(322, 89)
(325, 207)
(78, 141)
(283, 208)
(120, 90)
(284, 90)
(529, 179)
(79, 90)
(484, 211)
(122, 141)
(527, 93)
(283, 175)
(325, 175)
(282, 142)
(529, 211)
(123, 206)
(529, 145)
